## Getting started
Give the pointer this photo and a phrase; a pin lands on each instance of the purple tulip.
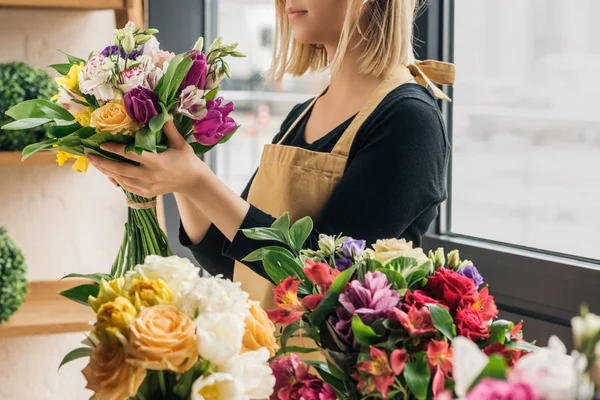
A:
(196, 76)
(353, 249)
(141, 104)
(469, 271)
(217, 123)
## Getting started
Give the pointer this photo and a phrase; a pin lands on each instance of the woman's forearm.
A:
(215, 201)
(195, 223)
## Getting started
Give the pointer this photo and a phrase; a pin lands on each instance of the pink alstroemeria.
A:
(380, 372)
(416, 321)
(290, 307)
(439, 358)
(321, 274)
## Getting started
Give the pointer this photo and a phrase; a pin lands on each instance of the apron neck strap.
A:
(301, 117)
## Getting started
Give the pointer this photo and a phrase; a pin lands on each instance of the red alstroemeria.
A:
(416, 321)
(511, 356)
(439, 358)
(313, 300)
(290, 308)
(321, 274)
(515, 332)
(381, 374)
(484, 305)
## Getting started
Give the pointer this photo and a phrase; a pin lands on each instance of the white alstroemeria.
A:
(174, 271)
(216, 386)
(154, 77)
(214, 295)
(467, 364)
(252, 373)
(585, 328)
(65, 100)
(220, 336)
(132, 78)
(191, 104)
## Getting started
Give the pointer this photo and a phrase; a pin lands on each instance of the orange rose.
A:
(113, 118)
(110, 376)
(162, 337)
(259, 330)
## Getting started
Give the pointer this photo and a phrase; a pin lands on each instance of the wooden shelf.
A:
(41, 158)
(44, 312)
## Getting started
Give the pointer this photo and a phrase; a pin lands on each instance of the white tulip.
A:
(219, 336)
(252, 373)
(468, 363)
(216, 386)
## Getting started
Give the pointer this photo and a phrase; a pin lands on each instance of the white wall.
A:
(64, 221)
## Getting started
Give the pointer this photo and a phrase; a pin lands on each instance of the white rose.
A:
(132, 78)
(252, 373)
(216, 386)
(219, 336)
(390, 249)
(191, 104)
(214, 295)
(174, 271)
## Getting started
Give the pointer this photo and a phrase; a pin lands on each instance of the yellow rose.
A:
(390, 249)
(114, 317)
(146, 293)
(109, 375)
(71, 80)
(83, 118)
(113, 118)
(259, 330)
(109, 291)
(162, 337)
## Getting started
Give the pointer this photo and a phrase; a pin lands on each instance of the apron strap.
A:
(302, 115)
(440, 72)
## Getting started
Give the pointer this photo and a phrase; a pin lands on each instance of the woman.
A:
(367, 158)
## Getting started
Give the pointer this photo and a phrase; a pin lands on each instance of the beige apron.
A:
(300, 182)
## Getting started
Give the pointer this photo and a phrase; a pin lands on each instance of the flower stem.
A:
(161, 383)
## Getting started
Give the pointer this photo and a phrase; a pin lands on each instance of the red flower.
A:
(321, 274)
(416, 321)
(470, 324)
(312, 301)
(419, 299)
(451, 288)
(439, 358)
(515, 333)
(484, 305)
(511, 356)
(290, 307)
(380, 372)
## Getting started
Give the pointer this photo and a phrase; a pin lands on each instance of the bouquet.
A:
(384, 319)
(162, 332)
(125, 94)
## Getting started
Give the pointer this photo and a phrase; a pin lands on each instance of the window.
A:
(526, 125)
(261, 106)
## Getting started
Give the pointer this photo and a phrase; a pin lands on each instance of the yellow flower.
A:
(83, 118)
(80, 164)
(114, 318)
(110, 376)
(147, 293)
(259, 330)
(162, 337)
(109, 291)
(113, 118)
(62, 157)
(390, 249)
(71, 80)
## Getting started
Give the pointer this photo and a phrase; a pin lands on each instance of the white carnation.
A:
(214, 295)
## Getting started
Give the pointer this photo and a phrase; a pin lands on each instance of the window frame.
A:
(538, 285)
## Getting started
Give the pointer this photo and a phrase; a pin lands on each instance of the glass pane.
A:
(526, 166)
(261, 106)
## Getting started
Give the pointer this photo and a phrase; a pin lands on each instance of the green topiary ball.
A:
(20, 82)
(13, 276)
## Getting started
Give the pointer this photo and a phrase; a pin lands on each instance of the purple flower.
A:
(141, 104)
(293, 381)
(353, 249)
(491, 389)
(196, 76)
(469, 271)
(343, 263)
(370, 300)
(216, 124)
(110, 50)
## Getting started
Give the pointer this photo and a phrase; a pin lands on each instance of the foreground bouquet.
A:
(125, 94)
(162, 332)
(385, 319)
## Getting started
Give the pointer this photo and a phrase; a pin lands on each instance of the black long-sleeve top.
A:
(392, 186)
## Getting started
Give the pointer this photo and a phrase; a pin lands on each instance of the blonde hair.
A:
(389, 36)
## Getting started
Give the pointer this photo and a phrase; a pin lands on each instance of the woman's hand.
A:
(176, 170)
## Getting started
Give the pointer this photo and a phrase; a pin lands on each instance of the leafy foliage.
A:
(13, 277)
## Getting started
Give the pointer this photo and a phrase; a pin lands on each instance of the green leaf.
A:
(394, 277)
(60, 131)
(280, 266)
(282, 224)
(303, 350)
(85, 132)
(498, 331)
(287, 333)
(39, 108)
(163, 84)
(258, 255)
(373, 265)
(364, 335)
(62, 69)
(229, 136)
(417, 374)
(265, 234)
(35, 147)
(495, 369)
(145, 139)
(158, 121)
(81, 293)
(415, 279)
(520, 345)
(327, 305)
(299, 232)
(76, 354)
(212, 94)
(339, 283)
(26, 123)
(401, 263)
(102, 137)
(73, 59)
(442, 320)
(200, 148)
(94, 277)
(178, 76)
(328, 376)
